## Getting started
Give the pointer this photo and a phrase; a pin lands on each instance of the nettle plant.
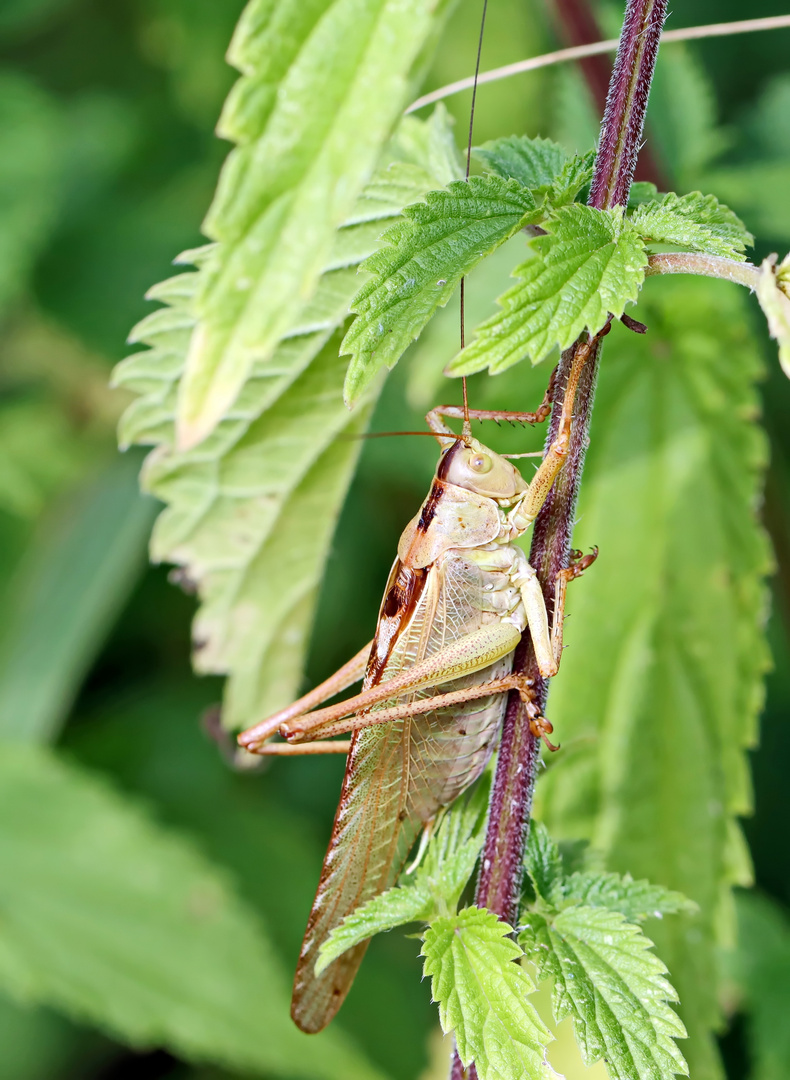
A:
(338, 230)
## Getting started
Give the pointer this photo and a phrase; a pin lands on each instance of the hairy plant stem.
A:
(690, 262)
(499, 883)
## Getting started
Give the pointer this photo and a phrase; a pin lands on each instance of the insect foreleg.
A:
(548, 642)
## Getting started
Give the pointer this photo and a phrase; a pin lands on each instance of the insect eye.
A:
(480, 463)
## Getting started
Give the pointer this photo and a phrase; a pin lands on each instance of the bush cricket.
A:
(435, 679)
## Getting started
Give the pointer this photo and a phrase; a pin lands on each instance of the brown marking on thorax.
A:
(397, 608)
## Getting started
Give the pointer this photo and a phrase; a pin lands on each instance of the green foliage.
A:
(432, 890)
(590, 263)
(759, 967)
(612, 986)
(427, 254)
(535, 163)
(251, 511)
(653, 770)
(695, 222)
(543, 861)
(29, 172)
(683, 117)
(635, 900)
(77, 572)
(442, 239)
(118, 922)
(482, 994)
(323, 84)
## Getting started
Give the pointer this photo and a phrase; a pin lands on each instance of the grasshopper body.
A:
(458, 599)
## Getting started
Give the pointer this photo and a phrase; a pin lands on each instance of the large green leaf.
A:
(77, 572)
(115, 921)
(250, 512)
(614, 988)
(590, 263)
(30, 161)
(323, 84)
(761, 969)
(482, 995)
(662, 680)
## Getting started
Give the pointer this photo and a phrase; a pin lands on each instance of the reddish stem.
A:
(579, 26)
(499, 883)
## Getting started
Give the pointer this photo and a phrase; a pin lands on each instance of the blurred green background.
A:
(107, 163)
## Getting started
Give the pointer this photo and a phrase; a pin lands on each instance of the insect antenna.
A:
(382, 434)
(467, 428)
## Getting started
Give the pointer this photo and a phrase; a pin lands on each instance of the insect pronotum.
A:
(434, 680)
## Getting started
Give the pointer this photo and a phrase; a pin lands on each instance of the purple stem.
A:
(499, 883)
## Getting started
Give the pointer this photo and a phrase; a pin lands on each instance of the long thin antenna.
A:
(467, 428)
(579, 52)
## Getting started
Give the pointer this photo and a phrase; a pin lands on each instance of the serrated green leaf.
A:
(636, 900)
(695, 221)
(613, 988)
(590, 263)
(249, 513)
(329, 78)
(655, 717)
(760, 968)
(542, 860)
(534, 163)
(432, 890)
(395, 907)
(425, 257)
(123, 924)
(482, 994)
(463, 824)
(776, 307)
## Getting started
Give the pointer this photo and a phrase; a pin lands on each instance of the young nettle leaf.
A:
(636, 900)
(395, 907)
(426, 255)
(575, 174)
(612, 986)
(590, 263)
(535, 163)
(482, 993)
(695, 221)
(435, 887)
(543, 861)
